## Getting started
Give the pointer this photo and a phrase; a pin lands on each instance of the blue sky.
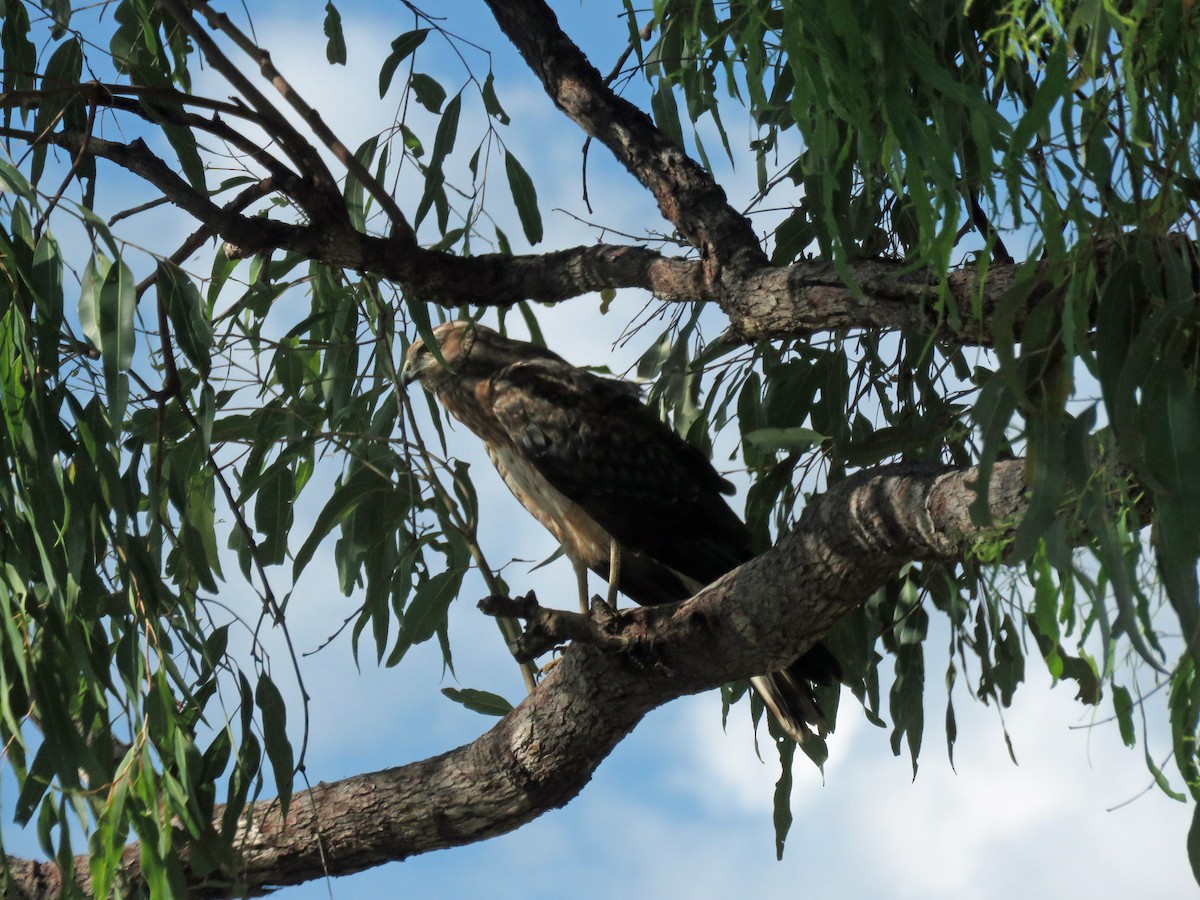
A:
(681, 808)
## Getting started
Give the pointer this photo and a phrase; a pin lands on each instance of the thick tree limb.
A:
(763, 304)
(688, 196)
(848, 542)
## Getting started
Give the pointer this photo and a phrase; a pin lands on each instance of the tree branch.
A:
(154, 104)
(326, 198)
(764, 303)
(688, 196)
(848, 542)
(402, 230)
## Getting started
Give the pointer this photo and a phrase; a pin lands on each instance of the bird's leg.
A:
(581, 583)
(614, 571)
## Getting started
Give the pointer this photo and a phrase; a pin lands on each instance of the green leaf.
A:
(1049, 94)
(792, 236)
(348, 494)
(447, 132)
(525, 197)
(60, 12)
(36, 783)
(782, 816)
(402, 48)
(490, 101)
(430, 94)
(906, 700)
(792, 439)
(94, 274)
(1160, 779)
(116, 304)
(12, 180)
(185, 310)
(479, 701)
(64, 68)
(354, 192)
(273, 507)
(426, 612)
(335, 46)
(1123, 706)
(183, 142)
(412, 143)
(20, 54)
(666, 112)
(46, 280)
(279, 748)
(109, 318)
(435, 179)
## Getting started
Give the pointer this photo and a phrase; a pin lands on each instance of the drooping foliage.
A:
(163, 418)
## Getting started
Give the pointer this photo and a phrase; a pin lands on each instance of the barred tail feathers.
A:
(791, 702)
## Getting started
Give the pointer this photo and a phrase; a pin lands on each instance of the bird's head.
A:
(469, 352)
(455, 343)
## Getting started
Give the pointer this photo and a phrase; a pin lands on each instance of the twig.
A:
(134, 210)
(644, 34)
(509, 628)
(170, 106)
(197, 238)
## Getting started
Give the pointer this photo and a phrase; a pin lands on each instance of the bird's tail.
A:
(788, 694)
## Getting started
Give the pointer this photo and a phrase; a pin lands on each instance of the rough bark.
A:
(687, 195)
(848, 542)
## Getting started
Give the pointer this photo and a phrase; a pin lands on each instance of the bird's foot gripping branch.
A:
(545, 628)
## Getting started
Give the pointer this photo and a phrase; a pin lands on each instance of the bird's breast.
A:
(582, 538)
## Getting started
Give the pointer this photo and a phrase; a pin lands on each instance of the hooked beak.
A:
(407, 375)
(412, 368)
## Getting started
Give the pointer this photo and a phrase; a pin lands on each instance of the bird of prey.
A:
(624, 495)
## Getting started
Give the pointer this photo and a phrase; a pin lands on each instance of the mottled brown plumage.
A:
(600, 471)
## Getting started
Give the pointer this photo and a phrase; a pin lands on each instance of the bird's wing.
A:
(596, 443)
